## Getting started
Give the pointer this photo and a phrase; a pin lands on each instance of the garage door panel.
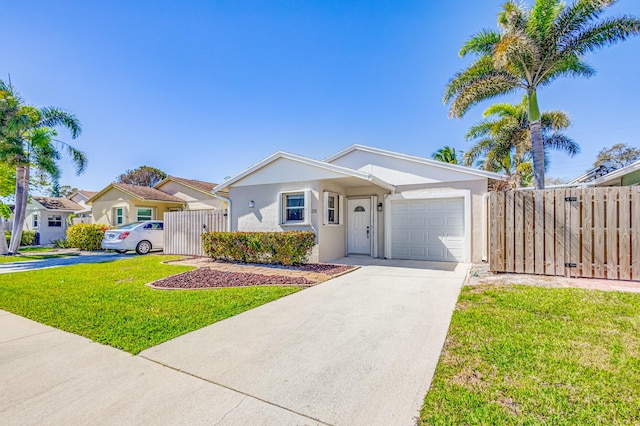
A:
(431, 229)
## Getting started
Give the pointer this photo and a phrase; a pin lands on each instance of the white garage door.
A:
(430, 229)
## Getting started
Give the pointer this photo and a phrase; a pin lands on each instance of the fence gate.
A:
(573, 232)
(183, 230)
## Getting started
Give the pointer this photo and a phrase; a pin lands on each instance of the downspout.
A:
(485, 216)
(228, 201)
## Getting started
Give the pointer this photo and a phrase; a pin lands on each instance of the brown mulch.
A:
(211, 278)
(322, 268)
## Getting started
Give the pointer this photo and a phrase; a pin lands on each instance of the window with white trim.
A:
(332, 208)
(294, 207)
(35, 220)
(55, 221)
(144, 213)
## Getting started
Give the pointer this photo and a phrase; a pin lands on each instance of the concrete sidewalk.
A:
(50, 377)
(360, 349)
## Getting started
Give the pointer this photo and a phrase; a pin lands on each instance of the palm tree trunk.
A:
(3, 241)
(537, 142)
(22, 194)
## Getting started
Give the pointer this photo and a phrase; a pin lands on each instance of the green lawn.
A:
(531, 355)
(109, 302)
(29, 249)
(20, 258)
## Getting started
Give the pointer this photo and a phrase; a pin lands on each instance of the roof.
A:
(305, 160)
(55, 203)
(206, 187)
(616, 174)
(421, 160)
(87, 194)
(143, 193)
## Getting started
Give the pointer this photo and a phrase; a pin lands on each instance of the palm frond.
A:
(486, 87)
(481, 43)
(605, 33)
(560, 142)
(53, 117)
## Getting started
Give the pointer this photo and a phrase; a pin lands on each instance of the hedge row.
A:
(86, 236)
(286, 248)
(27, 239)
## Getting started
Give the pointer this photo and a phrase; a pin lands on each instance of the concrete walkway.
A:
(82, 258)
(50, 377)
(360, 349)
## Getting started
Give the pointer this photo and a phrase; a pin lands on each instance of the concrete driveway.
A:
(360, 349)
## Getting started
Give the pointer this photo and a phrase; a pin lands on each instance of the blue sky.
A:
(204, 89)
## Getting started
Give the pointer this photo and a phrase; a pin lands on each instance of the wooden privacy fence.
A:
(573, 232)
(183, 230)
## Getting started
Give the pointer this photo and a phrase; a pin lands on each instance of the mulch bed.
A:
(211, 278)
(323, 268)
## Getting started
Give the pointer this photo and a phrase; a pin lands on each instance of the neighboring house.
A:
(197, 194)
(49, 216)
(366, 201)
(81, 196)
(120, 203)
(624, 176)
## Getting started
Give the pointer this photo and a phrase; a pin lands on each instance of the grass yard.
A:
(532, 355)
(29, 249)
(109, 302)
(20, 258)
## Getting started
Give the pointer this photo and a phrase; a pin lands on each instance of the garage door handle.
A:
(367, 232)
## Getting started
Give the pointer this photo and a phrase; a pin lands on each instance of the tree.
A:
(534, 47)
(502, 141)
(617, 156)
(143, 175)
(28, 138)
(67, 190)
(446, 154)
(7, 183)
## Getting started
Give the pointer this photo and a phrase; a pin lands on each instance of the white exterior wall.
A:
(332, 239)
(196, 200)
(47, 233)
(265, 216)
(397, 171)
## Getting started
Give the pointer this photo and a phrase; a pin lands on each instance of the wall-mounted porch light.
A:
(379, 207)
(251, 204)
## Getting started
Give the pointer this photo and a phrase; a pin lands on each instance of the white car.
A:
(139, 236)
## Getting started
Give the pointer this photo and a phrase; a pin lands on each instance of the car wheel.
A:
(143, 247)
(121, 251)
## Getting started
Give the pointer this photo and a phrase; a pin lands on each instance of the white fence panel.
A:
(183, 230)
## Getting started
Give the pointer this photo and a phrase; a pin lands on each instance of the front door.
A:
(359, 232)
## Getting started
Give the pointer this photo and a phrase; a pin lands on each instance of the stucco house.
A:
(49, 217)
(120, 203)
(195, 193)
(80, 197)
(366, 201)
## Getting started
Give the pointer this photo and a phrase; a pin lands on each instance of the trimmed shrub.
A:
(27, 238)
(86, 236)
(286, 248)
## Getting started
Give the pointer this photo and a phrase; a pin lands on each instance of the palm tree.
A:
(534, 47)
(503, 139)
(28, 138)
(446, 154)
